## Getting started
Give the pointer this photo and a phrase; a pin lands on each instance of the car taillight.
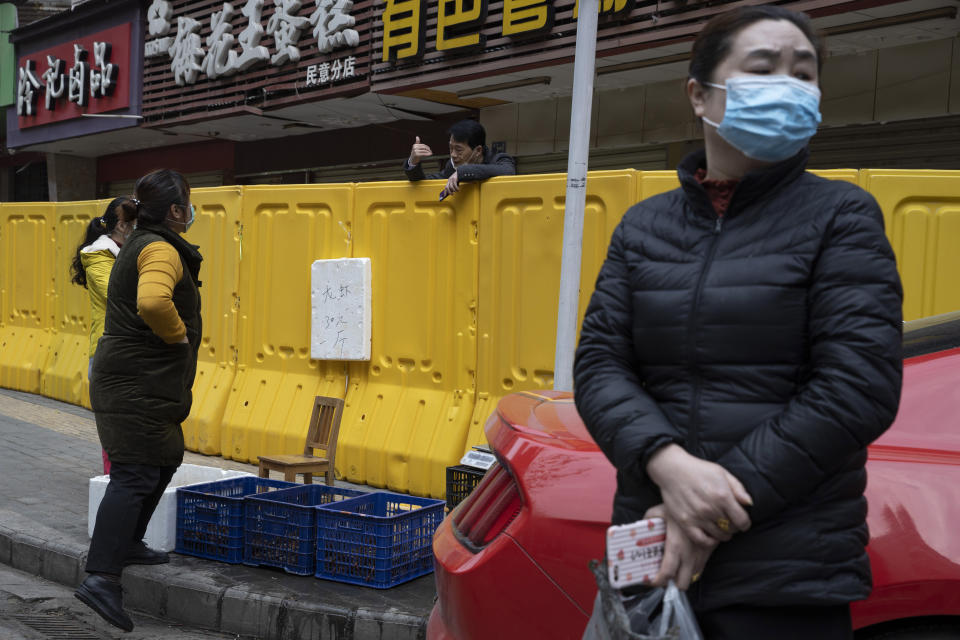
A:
(489, 508)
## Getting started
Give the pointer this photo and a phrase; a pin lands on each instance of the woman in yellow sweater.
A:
(141, 380)
(92, 264)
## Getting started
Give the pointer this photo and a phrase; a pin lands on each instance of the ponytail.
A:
(101, 225)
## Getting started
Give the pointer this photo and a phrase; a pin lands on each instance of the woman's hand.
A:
(683, 559)
(702, 497)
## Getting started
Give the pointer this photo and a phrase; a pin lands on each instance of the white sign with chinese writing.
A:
(340, 304)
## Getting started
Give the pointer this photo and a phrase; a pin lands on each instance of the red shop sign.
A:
(88, 75)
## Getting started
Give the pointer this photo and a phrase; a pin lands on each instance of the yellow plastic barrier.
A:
(217, 231)
(284, 229)
(65, 371)
(464, 304)
(26, 318)
(848, 175)
(409, 408)
(651, 183)
(521, 240)
(921, 210)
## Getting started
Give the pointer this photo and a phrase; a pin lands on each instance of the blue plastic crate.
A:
(378, 540)
(280, 529)
(210, 516)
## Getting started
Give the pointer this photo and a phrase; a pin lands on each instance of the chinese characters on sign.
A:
(460, 23)
(403, 29)
(326, 72)
(526, 16)
(340, 301)
(76, 77)
(331, 24)
(186, 52)
(158, 24)
(28, 90)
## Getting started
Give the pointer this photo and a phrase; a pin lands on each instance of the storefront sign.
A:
(87, 75)
(177, 38)
(232, 56)
(460, 23)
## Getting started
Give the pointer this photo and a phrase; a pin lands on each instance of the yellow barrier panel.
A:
(408, 410)
(284, 229)
(921, 210)
(651, 183)
(26, 319)
(521, 239)
(465, 298)
(847, 175)
(65, 372)
(217, 231)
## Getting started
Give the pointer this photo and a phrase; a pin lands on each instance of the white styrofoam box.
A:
(162, 529)
(340, 305)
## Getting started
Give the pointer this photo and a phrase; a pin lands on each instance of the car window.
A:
(930, 335)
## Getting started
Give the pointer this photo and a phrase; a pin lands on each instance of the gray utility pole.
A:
(583, 70)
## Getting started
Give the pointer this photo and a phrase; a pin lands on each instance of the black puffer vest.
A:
(141, 386)
(767, 341)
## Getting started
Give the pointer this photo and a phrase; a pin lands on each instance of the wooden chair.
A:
(322, 435)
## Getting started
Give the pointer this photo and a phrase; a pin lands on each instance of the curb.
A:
(198, 599)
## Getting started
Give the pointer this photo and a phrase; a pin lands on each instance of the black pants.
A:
(778, 623)
(130, 500)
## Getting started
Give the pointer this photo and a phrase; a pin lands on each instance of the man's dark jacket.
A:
(140, 386)
(494, 164)
(767, 341)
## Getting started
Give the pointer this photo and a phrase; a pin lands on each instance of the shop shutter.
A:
(196, 180)
(649, 157)
(931, 143)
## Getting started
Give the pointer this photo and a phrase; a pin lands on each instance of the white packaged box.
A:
(162, 530)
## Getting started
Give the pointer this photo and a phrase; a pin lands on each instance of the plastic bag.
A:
(655, 614)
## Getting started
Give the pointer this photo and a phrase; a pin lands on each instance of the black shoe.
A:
(140, 553)
(106, 598)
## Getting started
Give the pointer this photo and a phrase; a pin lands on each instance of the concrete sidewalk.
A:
(49, 453)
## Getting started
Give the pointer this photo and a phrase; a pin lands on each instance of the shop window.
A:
(30, 182)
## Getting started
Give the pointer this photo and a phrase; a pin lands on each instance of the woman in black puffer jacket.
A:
(742, 349)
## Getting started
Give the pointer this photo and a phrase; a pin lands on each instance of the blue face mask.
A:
(189, 223)
(768, 118)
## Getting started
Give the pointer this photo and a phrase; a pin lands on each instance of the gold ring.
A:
(695, 577)
(723, 524)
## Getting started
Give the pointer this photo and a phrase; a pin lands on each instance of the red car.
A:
(511, 560)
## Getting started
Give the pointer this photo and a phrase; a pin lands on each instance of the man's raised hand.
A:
(418, 152)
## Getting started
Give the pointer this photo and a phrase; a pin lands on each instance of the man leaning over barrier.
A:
(470, 159)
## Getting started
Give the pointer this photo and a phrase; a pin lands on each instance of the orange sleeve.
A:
(160, 270)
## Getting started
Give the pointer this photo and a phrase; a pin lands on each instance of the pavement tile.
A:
(51, 452)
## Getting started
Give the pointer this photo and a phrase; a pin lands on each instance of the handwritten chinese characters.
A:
(340, 309)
